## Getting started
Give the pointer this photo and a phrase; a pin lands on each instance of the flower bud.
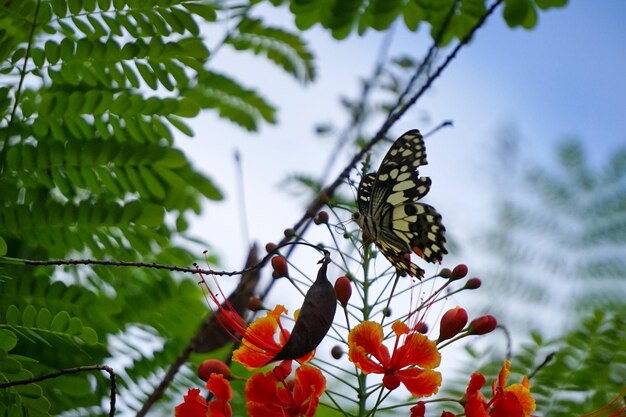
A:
(473, 283)
(421, 327)
(279, 264)
(289, 232)
(337, 352)
(322, 218)
(387, 312)
(418, 410)
(452, 322)
(459, 271)
(213, 366)
(482, 325)
(255, 303)
(445, 273)
(447, 414)
(391, 382)
(343, 290)
(270, 247)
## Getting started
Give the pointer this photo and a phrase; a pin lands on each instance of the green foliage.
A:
(564, 228)
(343, 17)
(91, 97)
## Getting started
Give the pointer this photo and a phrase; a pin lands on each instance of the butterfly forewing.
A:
(390, 213)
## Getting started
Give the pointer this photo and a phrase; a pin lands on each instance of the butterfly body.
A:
(389, 213)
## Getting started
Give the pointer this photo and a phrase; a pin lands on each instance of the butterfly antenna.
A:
(445, 123)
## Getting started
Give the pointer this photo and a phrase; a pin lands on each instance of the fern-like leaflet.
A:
(389, 213)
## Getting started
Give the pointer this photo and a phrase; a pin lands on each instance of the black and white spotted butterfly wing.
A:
(392, 217)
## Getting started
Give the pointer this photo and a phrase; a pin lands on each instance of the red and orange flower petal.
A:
(500, 382)
(220, 406)
(522, 392)
(400, 328)
(309, 387)
(309, 383)
(259, 345)
(420, 383)
(417, 350)
(507, 405)
(475, 404)
(477, 381)
(366, 339)
(194, 405)
(261, 393)
(266, 398)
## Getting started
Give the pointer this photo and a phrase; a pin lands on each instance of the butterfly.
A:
(389, 213)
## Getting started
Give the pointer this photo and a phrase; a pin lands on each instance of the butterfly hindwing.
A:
(390, 214)
(364, 194)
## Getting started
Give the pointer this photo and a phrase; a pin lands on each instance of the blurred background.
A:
(529, 180)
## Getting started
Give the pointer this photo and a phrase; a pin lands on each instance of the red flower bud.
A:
(482, 325)
(279, 264)
(421, 327)
(322, 218)
(270, 247)
(255, 303)
(459, 271)
(452, 322)
(391, 382)
(445, 273)
(213, 366)
(473, 283)
(343, 290)
(418, 410)
(337, 352)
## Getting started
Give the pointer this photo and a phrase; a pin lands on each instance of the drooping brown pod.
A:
(315, 318)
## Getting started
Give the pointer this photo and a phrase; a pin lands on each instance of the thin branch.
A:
(86, 368)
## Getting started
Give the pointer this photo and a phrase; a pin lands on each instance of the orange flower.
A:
(512, 401)
(411, 363)
(258, 346)
(266, 398)
(194, 405)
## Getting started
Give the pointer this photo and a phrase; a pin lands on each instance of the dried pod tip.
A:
(337, 352)
(452, 322)
(343, 290)
(213, 366)
(421, 327)
(482, 325)
(279, 264)
(321, 218)
(255, 303)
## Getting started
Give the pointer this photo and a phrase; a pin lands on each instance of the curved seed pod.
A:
(315, 318)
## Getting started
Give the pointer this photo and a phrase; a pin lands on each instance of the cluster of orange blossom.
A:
(407, 356)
